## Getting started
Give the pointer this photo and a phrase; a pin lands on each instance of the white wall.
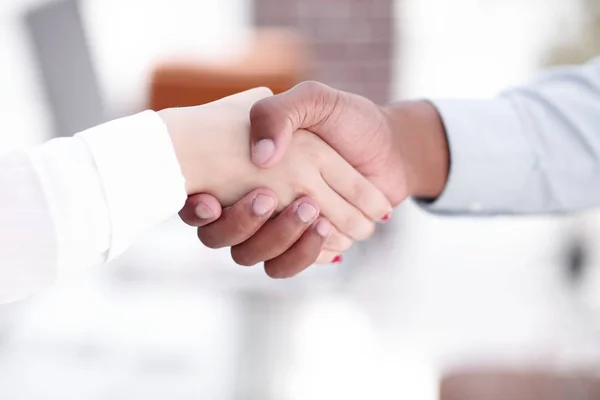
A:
(128, 36)
(476, 287)
(474, 48)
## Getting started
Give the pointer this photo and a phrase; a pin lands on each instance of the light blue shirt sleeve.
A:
(533, 149)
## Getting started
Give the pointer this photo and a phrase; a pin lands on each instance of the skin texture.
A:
(401, 148)
(212, 146)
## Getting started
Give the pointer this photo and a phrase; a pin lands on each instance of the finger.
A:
(328, 257)
(274, 119)
(345, 217)
(200, 210)
(355, 188)
(338, 242)
(278, 234)
(302, 254)
(240, 221)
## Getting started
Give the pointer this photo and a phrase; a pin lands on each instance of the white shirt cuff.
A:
(75, 201)
(139, 173)
(488, 154)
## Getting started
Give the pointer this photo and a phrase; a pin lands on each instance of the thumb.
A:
(274, 119)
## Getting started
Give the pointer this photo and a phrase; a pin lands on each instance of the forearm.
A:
(76, 202)
(534, 149)
(421, 142)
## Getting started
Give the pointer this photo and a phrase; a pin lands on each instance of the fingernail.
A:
(323, 228)
(386, 217)
(263, 150)
(337, 260)
(306, 212)
(203, 212)
(262, 204)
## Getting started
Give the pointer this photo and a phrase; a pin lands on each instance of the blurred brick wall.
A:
(352, 39)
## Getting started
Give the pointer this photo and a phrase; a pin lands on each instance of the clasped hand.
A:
(229, 148)
(212, 144)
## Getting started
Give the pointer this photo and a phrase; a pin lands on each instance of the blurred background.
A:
(431, 308)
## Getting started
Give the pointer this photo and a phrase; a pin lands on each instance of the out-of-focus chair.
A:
(276, 58)
(65, 66)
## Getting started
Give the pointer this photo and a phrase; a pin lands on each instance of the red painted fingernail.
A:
(386, 217)
(337, 260)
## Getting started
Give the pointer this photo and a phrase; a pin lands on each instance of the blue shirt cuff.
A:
(488, 156)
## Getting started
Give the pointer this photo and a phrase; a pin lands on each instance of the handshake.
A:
(296, 178)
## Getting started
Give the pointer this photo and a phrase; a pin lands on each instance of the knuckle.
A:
(282, 238)
(187, 219)
(350, 224)
(308, 255)
(224, 233)
(366, 198)
(339, 242)
(346, 246)
(275, 271)
(312, 86)
(361, 192)
(210, 240)
(188, 214)
(242, 228)
(281, 270)
(294, 263)
(260, 109)
(243, 257)
(357, 227)
(367, 231)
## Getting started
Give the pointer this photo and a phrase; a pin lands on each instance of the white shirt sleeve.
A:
(534, 149)
(76, 202)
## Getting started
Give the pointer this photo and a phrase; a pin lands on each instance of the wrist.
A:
(210, 139)
(420, 139)
(211, 146)
(178, 123)
(134, 156)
